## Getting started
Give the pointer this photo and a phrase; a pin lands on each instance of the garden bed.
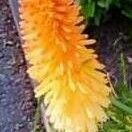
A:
(16, 91)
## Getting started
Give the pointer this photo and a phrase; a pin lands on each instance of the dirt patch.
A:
(113, 38)
(16, 93)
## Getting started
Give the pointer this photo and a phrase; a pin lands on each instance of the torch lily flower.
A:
(67, 73)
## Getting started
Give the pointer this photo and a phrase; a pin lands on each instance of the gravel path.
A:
(16, 94)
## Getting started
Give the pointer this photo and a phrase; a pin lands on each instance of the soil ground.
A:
(16, 94)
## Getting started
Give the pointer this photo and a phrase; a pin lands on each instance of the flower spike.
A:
(68, 74)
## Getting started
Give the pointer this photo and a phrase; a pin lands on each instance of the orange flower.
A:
(68, 74)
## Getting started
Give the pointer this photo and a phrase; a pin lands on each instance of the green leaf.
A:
(104, 3)
(121, 106)
(127, 13)
(91, 9)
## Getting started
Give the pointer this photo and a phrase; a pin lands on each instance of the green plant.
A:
(94, 10)
(125, 7)
(120, 112)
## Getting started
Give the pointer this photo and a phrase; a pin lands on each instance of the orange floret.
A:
(68, 74)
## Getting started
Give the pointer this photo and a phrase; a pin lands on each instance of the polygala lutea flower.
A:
(68, 74)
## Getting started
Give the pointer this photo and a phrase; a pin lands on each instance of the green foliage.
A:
(94, 10)
(125, 6)
(120, 111)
